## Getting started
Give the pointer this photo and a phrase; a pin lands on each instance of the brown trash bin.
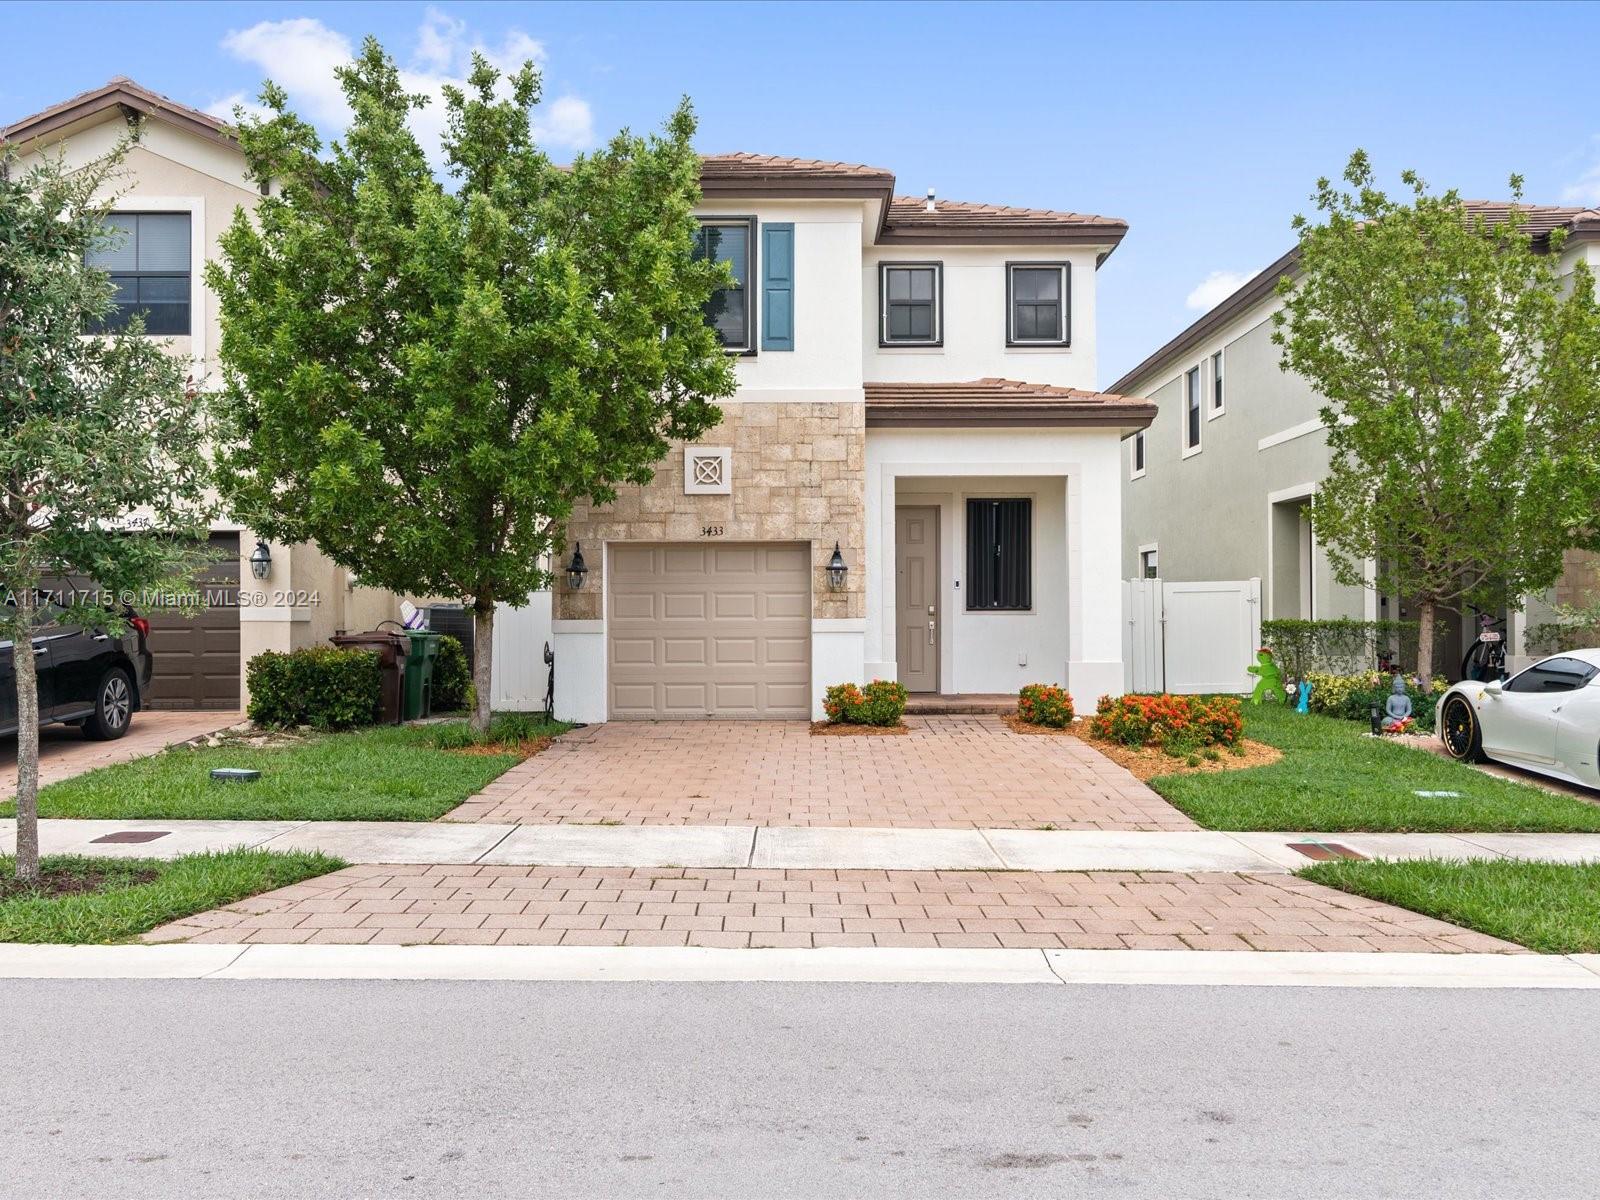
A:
(391, 649)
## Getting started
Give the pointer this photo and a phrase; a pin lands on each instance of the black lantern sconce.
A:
(836, 570)
(261, 561)
(577, 569)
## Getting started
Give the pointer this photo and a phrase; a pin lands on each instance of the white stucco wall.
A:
(974, 319)
(1074, 634)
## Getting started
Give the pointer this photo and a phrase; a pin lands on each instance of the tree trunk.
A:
(482, 662)
(27, 678)
(1425, 621)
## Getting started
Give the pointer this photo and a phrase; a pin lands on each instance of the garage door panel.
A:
(684, 606)
(734, 606)
(729, 628)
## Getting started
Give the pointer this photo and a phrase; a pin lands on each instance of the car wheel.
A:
(1458, 727)
(113, 707)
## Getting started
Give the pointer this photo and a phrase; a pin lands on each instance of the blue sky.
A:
(1203, 125)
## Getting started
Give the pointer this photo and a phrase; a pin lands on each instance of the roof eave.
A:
(121, 97)
(1008, 414)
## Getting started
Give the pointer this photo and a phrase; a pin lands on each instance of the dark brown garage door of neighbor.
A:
(197, 658)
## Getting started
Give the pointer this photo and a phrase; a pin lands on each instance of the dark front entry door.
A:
(916, 572)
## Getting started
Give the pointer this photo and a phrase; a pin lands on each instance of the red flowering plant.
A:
(1045, 704)
(1169, 722)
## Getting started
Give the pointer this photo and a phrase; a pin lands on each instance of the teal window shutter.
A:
(777, 286)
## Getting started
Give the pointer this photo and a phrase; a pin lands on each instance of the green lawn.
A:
(1550, 907)
(384, 774)
(1334, 777)
(133, 896)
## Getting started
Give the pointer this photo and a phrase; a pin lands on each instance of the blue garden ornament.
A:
(1303, 705)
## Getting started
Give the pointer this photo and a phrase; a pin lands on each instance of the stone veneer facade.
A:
(798, 475)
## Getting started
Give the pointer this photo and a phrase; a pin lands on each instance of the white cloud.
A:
(1585, 189)
(301, 54)
(1215, 288)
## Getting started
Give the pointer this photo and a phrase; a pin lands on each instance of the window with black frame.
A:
(148, 260)
(1036, 304)
(999, 555)
(728, 310)
(910, 310)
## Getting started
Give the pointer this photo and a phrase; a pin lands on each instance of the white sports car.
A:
(1544, 719)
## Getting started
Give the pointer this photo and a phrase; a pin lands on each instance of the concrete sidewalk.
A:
(790, 848)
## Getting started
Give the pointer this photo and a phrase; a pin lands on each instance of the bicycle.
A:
(1485, 659)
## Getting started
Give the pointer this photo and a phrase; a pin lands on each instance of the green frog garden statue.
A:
(1269, 679)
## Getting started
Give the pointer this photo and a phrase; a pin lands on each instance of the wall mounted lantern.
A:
(836, 570)
(261, 561)
(577, 569)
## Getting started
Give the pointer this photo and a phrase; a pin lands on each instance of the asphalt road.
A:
(232, 1089)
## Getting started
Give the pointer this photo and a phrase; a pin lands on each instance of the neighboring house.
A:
(181, 186)
(1220, 486)
(914, 388)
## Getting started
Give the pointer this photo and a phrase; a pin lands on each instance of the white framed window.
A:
(910, 300)
(1136, 453)
(730, 311)
(1038, 304)
(1192, 405)
(1218, 404)
(1149, 563)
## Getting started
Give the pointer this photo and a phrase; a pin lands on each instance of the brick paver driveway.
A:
(948, 772)
(65, 752)
(608, 906)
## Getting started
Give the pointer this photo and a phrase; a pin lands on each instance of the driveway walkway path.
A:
(965, 772)
(65, 752)
(605, 906)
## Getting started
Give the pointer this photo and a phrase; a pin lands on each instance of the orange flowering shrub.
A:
(882, 702)
(1169, 721)
(1045, 704)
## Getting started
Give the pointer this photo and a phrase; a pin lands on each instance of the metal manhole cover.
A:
(131, 835)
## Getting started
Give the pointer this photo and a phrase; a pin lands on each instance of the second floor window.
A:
(1036, 304)
(1191, 409)
(149, 265)
(1216, 382)
(910, 297)
(730, 240)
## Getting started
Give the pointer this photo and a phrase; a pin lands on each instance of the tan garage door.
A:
(710, 630)
(197, 657)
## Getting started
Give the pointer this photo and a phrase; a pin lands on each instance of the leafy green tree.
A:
(422, 378)
(93, 430)
(1461, 379)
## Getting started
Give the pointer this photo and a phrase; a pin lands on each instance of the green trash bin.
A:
(419, 674)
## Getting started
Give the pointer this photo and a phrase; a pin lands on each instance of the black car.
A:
(88, 677)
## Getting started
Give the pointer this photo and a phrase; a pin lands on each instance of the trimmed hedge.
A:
(1334, 647)
(881, 702)
(1045, 704)
(1176, 724)
(321, 686)
(451, 676)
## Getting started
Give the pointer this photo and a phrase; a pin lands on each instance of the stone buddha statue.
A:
(1397, 708)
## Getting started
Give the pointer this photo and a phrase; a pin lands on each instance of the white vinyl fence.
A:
(520, 673)
(1190, 637)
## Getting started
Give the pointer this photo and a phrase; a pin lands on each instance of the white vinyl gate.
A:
(520, 674)
(1190, 637)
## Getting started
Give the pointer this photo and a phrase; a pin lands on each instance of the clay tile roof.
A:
(910, 212)
(994, 401)
(744, 174)
(743, 163)
(122, 93)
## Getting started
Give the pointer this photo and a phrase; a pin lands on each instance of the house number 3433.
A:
(711, 531)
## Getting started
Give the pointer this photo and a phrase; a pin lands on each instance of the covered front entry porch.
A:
(992, 561)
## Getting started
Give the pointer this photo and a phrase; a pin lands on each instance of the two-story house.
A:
(1220, 485)
(177, 193)
(915, 392)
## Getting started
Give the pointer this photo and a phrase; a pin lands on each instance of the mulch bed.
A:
(523, 750)
(829, 729)
(1148, 762)
(71, 881)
